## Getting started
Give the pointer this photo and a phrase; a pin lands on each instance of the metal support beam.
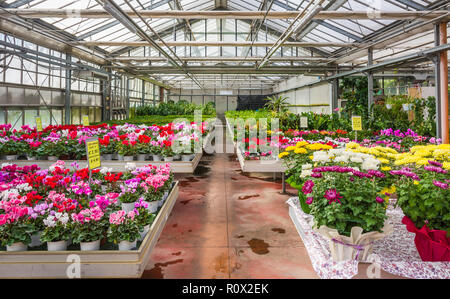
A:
(128, 97)
(334, 94)
(444, 83)
(67, 94)
(412, 4)
(143, 93)
(370, 101)
(339, 30)
(437, 78)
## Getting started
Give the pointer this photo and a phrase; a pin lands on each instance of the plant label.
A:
(303, 122)
(38, 124)
(86, 120)
(356, 123)
(93, 153)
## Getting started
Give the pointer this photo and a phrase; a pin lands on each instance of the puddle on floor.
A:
(258, 246)
(248, 196)
(177, 253)
(156, 271)
(187, 181)
(221, 263)
(279, 230)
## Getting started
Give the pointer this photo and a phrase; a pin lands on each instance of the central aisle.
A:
(226, 224)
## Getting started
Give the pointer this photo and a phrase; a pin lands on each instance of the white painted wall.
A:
(316, 94)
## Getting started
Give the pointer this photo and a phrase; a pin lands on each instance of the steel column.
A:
(67, 95)
(444, 83)
(437, 71)
(370, 82)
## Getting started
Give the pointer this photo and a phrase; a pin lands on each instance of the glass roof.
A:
(230, 30)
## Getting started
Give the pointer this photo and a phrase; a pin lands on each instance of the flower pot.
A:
(18, 246)
(142, 157)
(144, 232)
(432, 245)
(152, 206)
(186, 158)
(160, 203)
(36, 239)
(125, 245)
(177, 157)
(115, 156)
(89, 246)
(120, 157)
(168, 159)
(107, 157)
(388, 106)
(356, 247)
(52, 158)
(156, 158)
(57, 246)
(166, 194)
(192, 156)
(128, 158)
(31, 158)
(127, 207)
(10, 157)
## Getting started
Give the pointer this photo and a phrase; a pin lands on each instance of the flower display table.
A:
(93, 264)
(118, 166)
(395, 253)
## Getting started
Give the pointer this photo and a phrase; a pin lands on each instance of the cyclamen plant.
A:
(89, 225)
(14, 226)
(342, 197)
(123, 227)
(57, 228)
(142, 215)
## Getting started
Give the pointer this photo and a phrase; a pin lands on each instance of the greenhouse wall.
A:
(316, 98)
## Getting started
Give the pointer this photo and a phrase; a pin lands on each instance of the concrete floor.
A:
(227, 224)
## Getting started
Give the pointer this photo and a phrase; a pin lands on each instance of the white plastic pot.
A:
(125, 245)
(11, 157)
(168, 159)
(156, 158)
(52, 158)
(57, 246)
(18, 246)
(120, 157)
(127, 207)
(186, 158)
(107, 157)
(128, 158)
(177, 157)
(142, 157)
(152, 206)
(31, 158)
(89, 246)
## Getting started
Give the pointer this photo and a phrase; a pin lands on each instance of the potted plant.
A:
(123, 229)
(423, 196)
(88, 228)
(347, 209)
(156, 150)
(127, 149)
(37, 214)
(57, 231)
(131, 192)
(32, 150)
(143, 217)
(11, 149)
(15, 230)
(106, 148)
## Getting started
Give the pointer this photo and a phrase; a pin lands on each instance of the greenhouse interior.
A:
(224, 139)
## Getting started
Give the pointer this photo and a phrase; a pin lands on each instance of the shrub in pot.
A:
(11, 148)
(89, 226)
(423, 195)
(347, 209)
(57, 231)
(127, 148)
(107, 147)
(131, 192)
(123, 229)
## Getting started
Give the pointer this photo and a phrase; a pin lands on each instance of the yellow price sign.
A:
(93, 153)
(86, 120)
(357, 123)
(39, 124)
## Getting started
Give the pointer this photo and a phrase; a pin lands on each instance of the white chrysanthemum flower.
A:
(130, 166)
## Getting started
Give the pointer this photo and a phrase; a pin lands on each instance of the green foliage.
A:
(88, 233)
(425, 203)
(157, 119)
(127, 231)
(357, 207)
(277, 104)
(20, 231)
(182, 107)
(56, 233)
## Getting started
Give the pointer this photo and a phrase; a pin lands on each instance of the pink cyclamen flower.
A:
(379, 199)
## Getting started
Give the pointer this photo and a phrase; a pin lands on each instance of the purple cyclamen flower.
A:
(379, 199)
(309, 200)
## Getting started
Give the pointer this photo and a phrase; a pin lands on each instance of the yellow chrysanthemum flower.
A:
(283, 154)
(301, 143)
(290, 148)
(446, 165)
(300, 150)
(386, 168)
